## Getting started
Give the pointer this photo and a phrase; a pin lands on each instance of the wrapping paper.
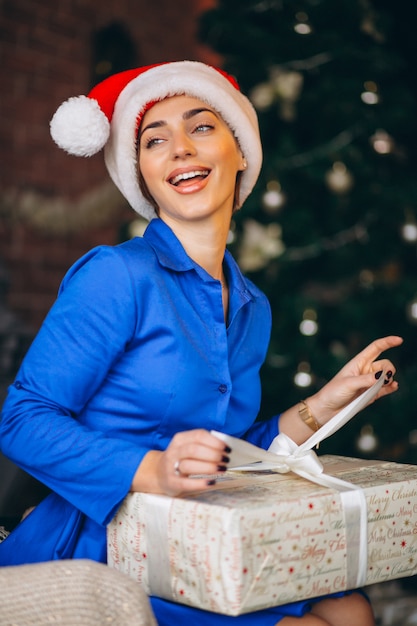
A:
(262, 539)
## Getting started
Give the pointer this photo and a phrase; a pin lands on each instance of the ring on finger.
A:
(177, 471)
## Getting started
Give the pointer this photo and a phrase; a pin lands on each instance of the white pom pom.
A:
(80, 127)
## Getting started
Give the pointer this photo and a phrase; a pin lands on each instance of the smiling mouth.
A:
(186, 176)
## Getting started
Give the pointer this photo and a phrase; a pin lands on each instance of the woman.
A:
(153, 343)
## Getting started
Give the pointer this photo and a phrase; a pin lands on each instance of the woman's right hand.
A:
(178, 469)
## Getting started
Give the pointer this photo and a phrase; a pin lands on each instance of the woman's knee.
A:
(350, 609)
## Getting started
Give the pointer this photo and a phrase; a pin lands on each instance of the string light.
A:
(308, 325)
(382, 142)
(412, 311)
(302, 27)
(367, 442)
(370, 94)
(303, 377)
(409, 232)
(273, 198)
(409, 229)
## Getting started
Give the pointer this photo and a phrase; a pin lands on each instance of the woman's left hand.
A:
(356, 376)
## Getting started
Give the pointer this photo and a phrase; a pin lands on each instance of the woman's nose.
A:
(183, 146)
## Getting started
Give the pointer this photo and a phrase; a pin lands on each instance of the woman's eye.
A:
(152, 141)
(202, 128)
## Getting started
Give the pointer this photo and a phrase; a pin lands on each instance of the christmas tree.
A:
(330, 231)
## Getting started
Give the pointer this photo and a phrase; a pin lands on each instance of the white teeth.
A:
(187, 175)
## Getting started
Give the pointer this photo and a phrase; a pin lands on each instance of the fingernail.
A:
(388, 374)
(227, 449)
(387, 380)
(225, 459)
(378, 375)
(221, 468)
(210, 482)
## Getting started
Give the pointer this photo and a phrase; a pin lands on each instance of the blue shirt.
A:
(134, 350)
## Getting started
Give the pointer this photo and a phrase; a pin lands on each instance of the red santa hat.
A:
(110, 116)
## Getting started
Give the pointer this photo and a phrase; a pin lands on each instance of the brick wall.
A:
(54, 207)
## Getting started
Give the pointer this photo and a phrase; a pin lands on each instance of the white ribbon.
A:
(156, 516)
(284, 456)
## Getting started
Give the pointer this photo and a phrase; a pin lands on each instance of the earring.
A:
(244, 164)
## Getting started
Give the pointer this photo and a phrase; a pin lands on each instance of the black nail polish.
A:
(378, 375)
(386, 381)
(389, 374)
(227, 449)
(211, 482)
(221, 468)
(225, 459)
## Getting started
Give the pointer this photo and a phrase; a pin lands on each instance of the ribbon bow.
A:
(291, 459)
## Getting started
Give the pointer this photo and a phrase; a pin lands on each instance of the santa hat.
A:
(109, 118)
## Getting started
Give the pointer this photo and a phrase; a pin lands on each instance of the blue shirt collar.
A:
(171, 254)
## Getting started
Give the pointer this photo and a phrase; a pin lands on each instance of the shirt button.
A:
(222, 388)
(18, 385)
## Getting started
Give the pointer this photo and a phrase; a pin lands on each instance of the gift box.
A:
(263, 539)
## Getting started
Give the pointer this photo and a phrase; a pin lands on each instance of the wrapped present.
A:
(263, 539)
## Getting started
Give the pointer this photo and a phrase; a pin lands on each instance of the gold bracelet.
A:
(308, 419)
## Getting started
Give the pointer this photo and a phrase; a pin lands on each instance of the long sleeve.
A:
(262, 433)
(85, 333)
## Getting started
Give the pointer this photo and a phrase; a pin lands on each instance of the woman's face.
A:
(189, 159)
